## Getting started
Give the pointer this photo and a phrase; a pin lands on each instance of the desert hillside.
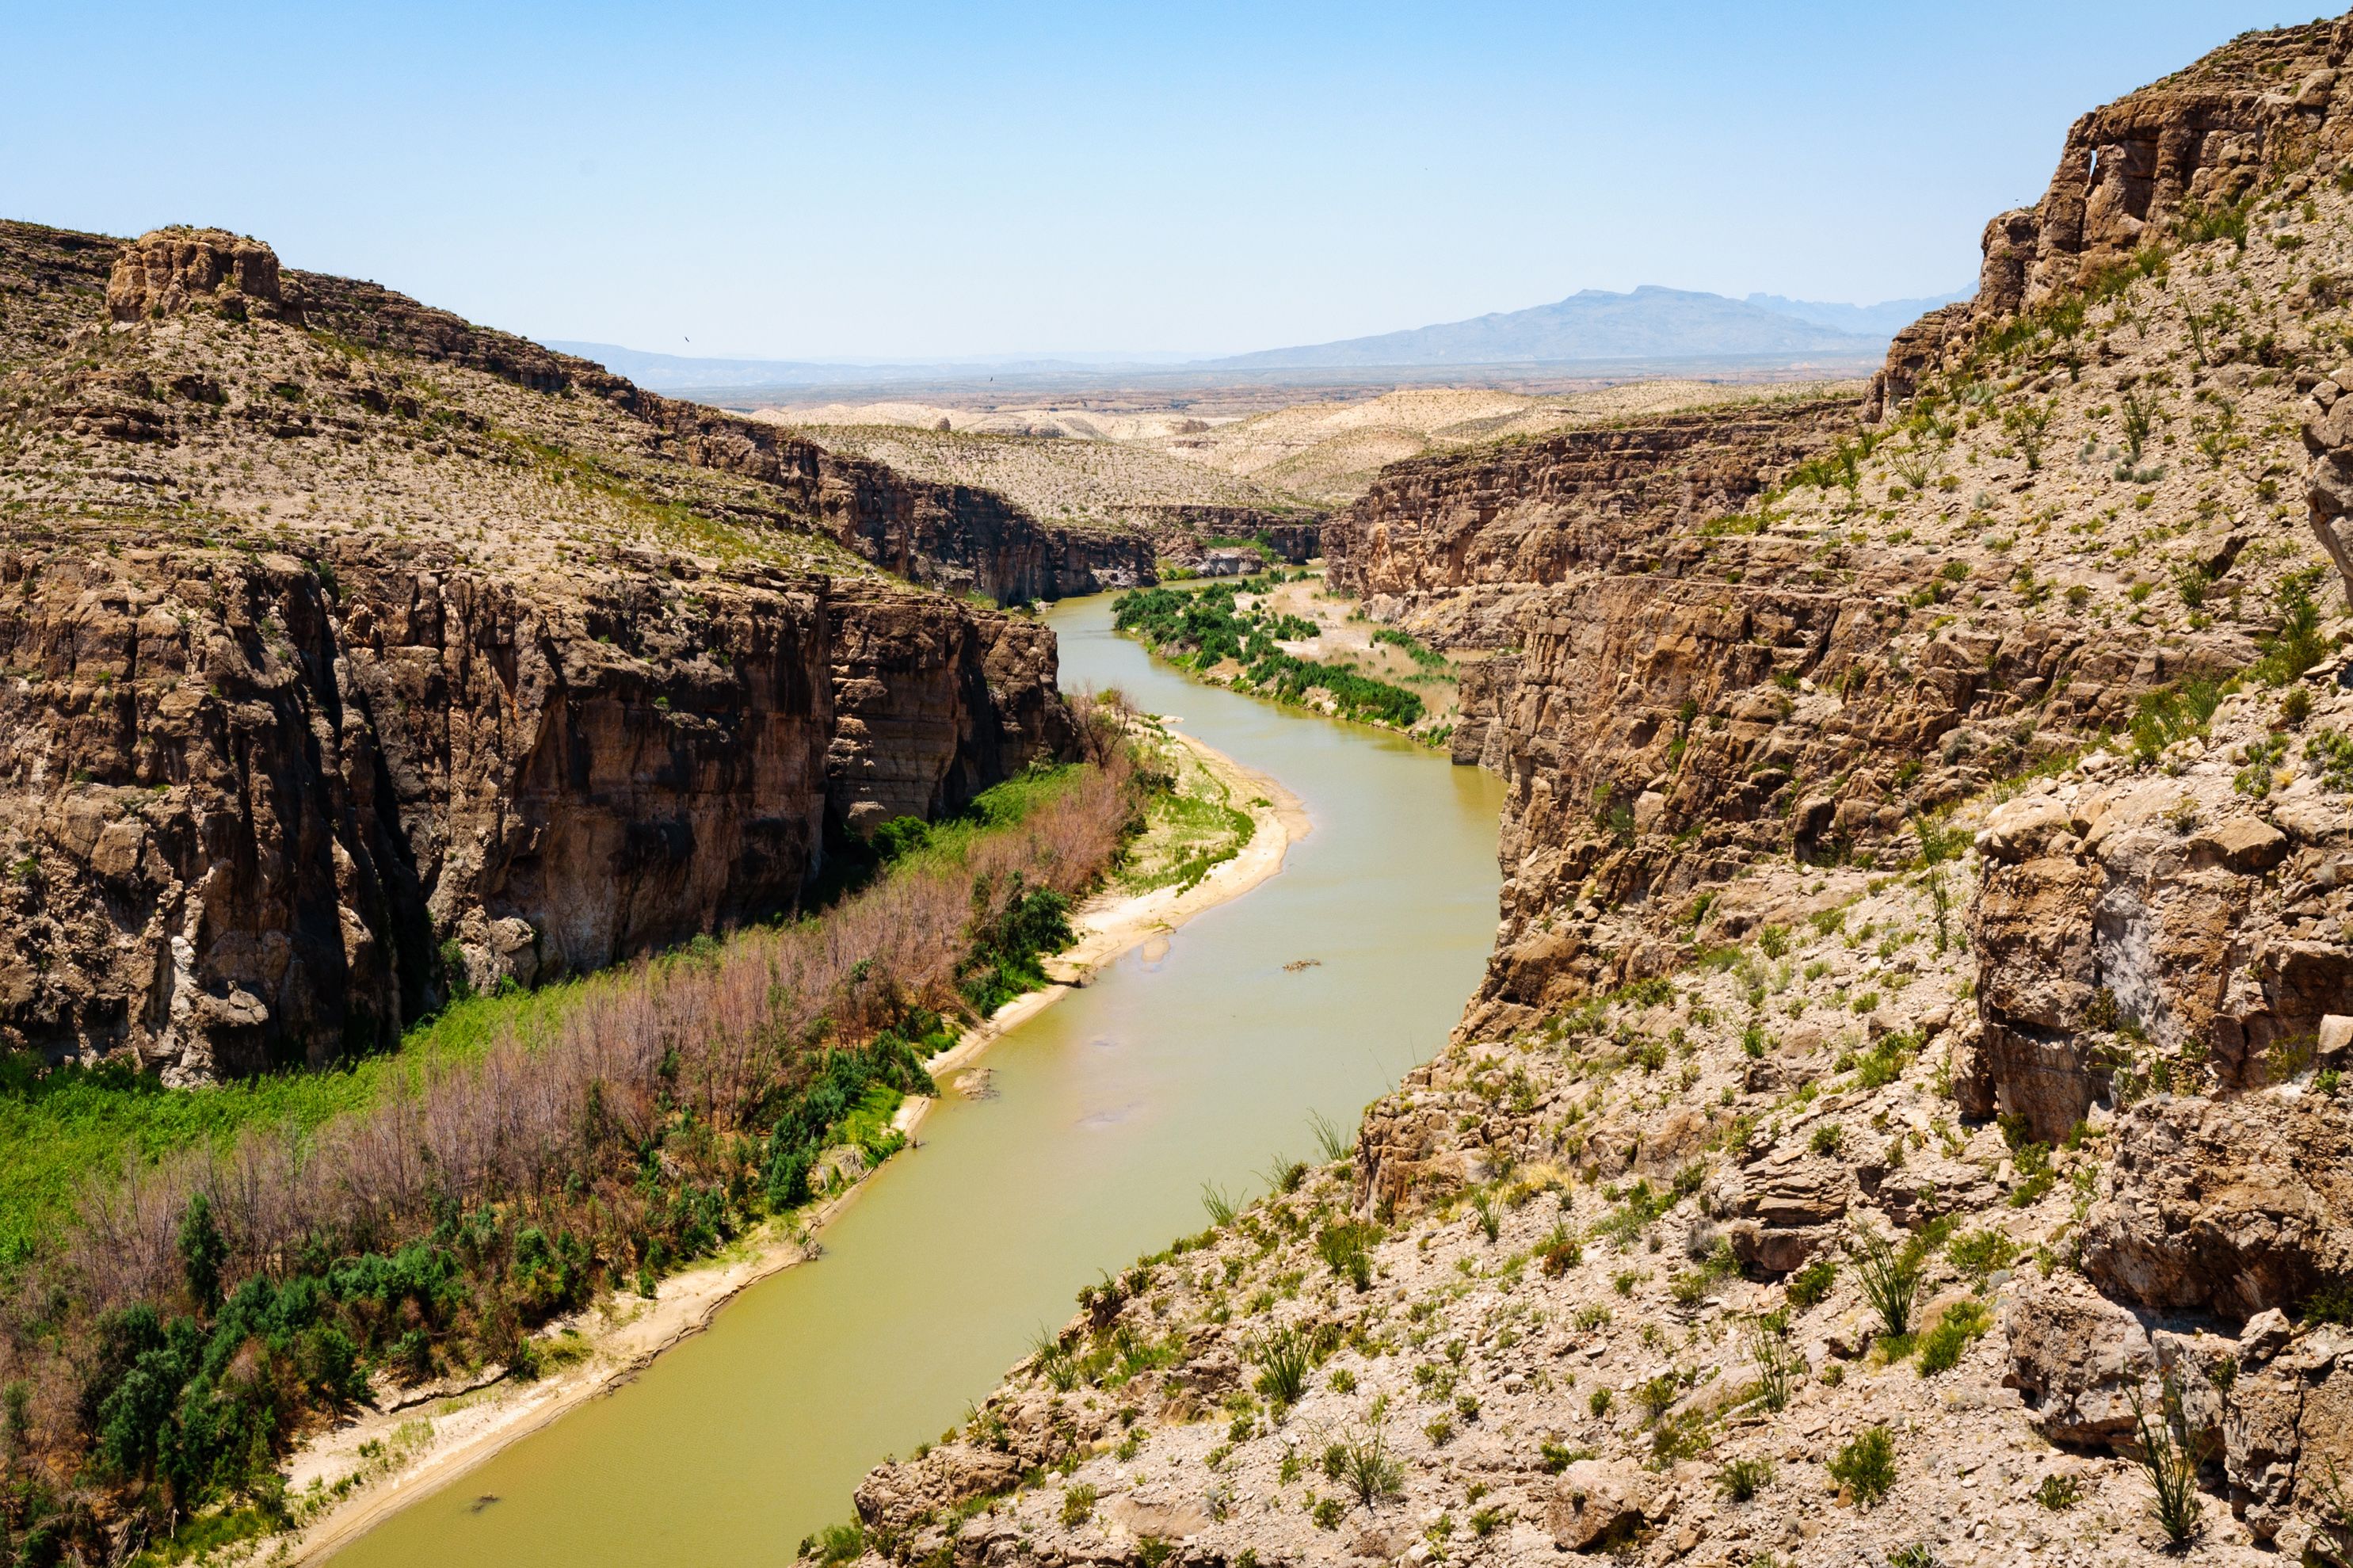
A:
(1905, 1119)
(357, 654)
(1312, 454)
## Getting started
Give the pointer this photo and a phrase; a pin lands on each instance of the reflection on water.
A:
(1194, 1059)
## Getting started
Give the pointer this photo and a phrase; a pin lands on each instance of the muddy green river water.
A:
(1196, 1059)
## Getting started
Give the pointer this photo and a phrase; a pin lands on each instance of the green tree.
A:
(202, 1250)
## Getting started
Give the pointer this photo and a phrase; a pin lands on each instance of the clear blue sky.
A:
(852, 180)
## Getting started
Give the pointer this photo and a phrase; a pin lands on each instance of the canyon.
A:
(1902, 1117)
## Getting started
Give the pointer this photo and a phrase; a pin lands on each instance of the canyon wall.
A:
(1910, 1088)
(354, 654)
(249, 800)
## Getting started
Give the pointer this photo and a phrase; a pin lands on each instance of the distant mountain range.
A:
(1650, 324)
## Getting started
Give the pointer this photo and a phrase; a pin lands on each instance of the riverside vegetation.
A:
(1207, 629)
(260, 1254)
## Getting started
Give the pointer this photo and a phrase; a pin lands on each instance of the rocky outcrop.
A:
(175, 270)
(2234, 1206)
(931, 704)
(2165, 928)
(249, 800)
(1612, 498)
(1596, 1505)
(2261, 110)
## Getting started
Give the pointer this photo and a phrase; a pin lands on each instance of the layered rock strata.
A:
(338, 677)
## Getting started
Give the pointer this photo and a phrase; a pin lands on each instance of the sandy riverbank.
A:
(389, 1458)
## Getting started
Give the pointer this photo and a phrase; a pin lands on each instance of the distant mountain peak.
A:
(1652, 322)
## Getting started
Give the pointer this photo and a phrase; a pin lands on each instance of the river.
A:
(1196, 1058)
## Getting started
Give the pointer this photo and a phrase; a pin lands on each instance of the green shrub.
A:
(1811, 1284)
(839, 1544)
(1866, 1467)
(1942, 1348)
(2298, 645)
(1981, 1254)
(1554, 1457)
(1741, 1479)
(2059, 1493)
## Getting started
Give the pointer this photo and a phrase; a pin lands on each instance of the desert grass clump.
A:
(1368, 1468)
(1778, 1364)
(1741, 1479)
(834, 1544)
(1334, 1142)
(1345, 1248)
(1284, 1358)
(2059, 1493)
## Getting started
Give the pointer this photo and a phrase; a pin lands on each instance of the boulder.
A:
(2022, 829)
(1596, 1505)
(2077, 1358)
(2246, 843)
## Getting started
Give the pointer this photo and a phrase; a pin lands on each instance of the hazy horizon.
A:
(1124, 358)
(952, 184)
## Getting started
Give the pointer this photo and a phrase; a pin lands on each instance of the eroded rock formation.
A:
(443, 662)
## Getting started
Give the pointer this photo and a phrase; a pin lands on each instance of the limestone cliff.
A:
(339, 676)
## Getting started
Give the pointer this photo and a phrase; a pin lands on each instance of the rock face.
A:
(253, 807)
(2156, 927)
(176, 270)
(550, 673)
(2236, 1207)
(2200, 143)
